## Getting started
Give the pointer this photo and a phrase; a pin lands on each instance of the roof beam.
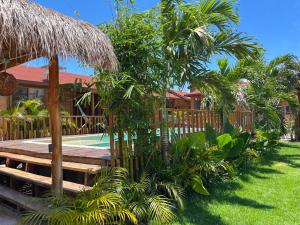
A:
(16, 61)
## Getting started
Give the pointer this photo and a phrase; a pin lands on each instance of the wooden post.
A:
(92, 104)
(192, 102)
(55, 120)
(112, 139)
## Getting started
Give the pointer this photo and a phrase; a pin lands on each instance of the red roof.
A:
(39, 76)
(182, 95)
(177, 95)
(194, 93)
(170, 95)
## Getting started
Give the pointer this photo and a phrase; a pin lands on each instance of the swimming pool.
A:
(97, 141)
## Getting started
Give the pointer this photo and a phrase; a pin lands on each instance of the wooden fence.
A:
(186, 121)
(123, 152)
(14, 128)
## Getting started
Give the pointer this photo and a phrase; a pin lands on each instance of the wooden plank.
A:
(194, 113)
(172, 119)
(197, 121)
(183, 123)
(21, 200)
(178, 116)
(41, 180)
(188, 121)
(78, 167)
(200, 120)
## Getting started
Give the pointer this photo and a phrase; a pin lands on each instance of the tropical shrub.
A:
(31, 111)
(205, 158)
(265, 141)
(113, 199)
(193, 160)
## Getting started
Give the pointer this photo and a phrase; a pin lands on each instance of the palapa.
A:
(28, 31)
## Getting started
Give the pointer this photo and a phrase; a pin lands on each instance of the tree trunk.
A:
(164, 129)
(56, 134)
(112, 139)
(224, 118)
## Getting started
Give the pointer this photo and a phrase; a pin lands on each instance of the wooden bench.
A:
(40, 180)
(20, 200)
(77, 167)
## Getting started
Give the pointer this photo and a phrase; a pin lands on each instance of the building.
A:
(33, 83)
(184, 100)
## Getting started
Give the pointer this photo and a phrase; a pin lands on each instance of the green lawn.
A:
(268, 195)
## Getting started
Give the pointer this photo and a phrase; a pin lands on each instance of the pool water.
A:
(99, 141)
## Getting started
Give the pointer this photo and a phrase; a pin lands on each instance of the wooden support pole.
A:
(56, 134)
(192, 102)
(93, 104)
(112, 139)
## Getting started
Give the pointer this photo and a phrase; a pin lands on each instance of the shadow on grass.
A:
(271, 157)
(197, 207)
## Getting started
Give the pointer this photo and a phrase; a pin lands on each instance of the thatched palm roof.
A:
(28, 30)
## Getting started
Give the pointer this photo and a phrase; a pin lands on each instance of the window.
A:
(22, 94)
(197, 104)
(36, 93)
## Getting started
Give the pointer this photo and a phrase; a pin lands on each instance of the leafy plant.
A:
(196, 159)
(32, 110)
(205, 158)
(113, 199)
(266, 141)
(166, 46)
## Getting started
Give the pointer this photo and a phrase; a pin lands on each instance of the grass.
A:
(266, 195)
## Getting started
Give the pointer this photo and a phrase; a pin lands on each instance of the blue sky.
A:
(274, 23)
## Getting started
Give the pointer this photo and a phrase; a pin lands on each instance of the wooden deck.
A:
(70, 154)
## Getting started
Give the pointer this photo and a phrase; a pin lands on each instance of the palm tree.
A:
(223, 90)
(270, 83)
(191, 34)
(169, 46)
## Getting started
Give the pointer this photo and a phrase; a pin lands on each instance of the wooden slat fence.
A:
(187, 121)
(184, 122)
(13, 128)
(122, 142)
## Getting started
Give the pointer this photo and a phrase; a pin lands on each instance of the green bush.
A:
(113, 199)
(265, 141)
(205, 158)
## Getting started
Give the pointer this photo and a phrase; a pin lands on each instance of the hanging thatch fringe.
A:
(26, 27)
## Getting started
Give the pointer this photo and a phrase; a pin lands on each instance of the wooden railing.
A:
(13, 128)
(243, 119)
(188, 121)
(184, 123)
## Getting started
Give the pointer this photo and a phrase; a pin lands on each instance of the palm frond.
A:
(236, 44)
(160, 209)
(219, 13)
